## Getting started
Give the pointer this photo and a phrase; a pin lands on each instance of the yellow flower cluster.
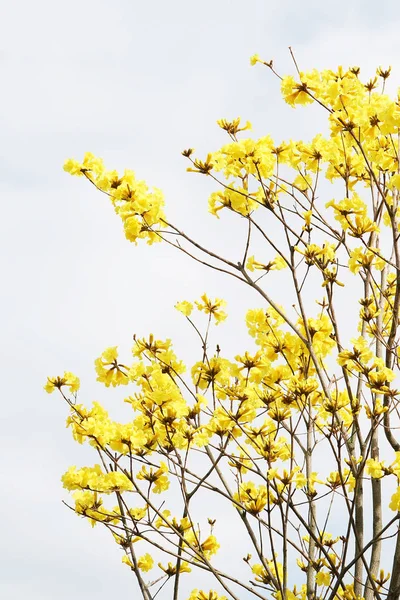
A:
(372, 310)
(213, 308)
(191, 535)
(96, 480)
(378, 376)
(69, 380)
(157, 478)
(264, 574)
(276, 264)
(109, 371)
(140, 209)
(253, 498)
(90, 505)
(201, 595)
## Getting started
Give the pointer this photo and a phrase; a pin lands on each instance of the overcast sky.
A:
(134, 82)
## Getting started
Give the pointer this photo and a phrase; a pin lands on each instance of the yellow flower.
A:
(156, 477)
(69, 380)
(200, 595)
(307, 218)
(252, 264)
(210, 546)
(73, 167)
(138, 513)
(303, 182)
(140, 209)
(394, 182)
(203, 167)
(276, 264)
(171, 568)
(264, 575)
(255, 59)
(279, 263)
(378, 380)
(323, 578)
(253, 498)
(212, 307)
(145, 562)
(395, 501)
(93, 163)
(184, 307)
(359, 357)
(320, 330)
(109, 370)
(359, 258)
(374, 468)
(295, 93)
(233, 127)
(94, 479)
(127, 561)
(377, 410)
(395, 466)
(300, 480)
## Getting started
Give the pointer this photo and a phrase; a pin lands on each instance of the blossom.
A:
(395, 500)
(212, 307)
(171, 568)
(146, 562)
(184, 307)
(156, 477)
(323, 578)
(109, 370)
(254, 59)
(374, 468)
(201, 595)
(69, 380)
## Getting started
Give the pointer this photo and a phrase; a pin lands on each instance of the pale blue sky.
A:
(134, 82)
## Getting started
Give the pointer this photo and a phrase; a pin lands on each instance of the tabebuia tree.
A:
(295, 438)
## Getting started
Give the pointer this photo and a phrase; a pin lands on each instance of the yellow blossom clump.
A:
(201, 595)
(93, 425)
(277, 264)
(95, 479)
(109, 370)
(146, 562)
(157, 478)
(323, 578)
(253, 498)
(361, 258)
(140, 209)
(90, 505)
(245, 156)
(233, 127)
(171, 569)
(184, 307)
(375, 468)
(91, 166)
(69, 380)
(209, 547)
(296, 93)
(254, 59)
(127, 561)
(212, 308)
(265, 573)
(215, 371)
(395, 500)
(358, 358)
(320, 330)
